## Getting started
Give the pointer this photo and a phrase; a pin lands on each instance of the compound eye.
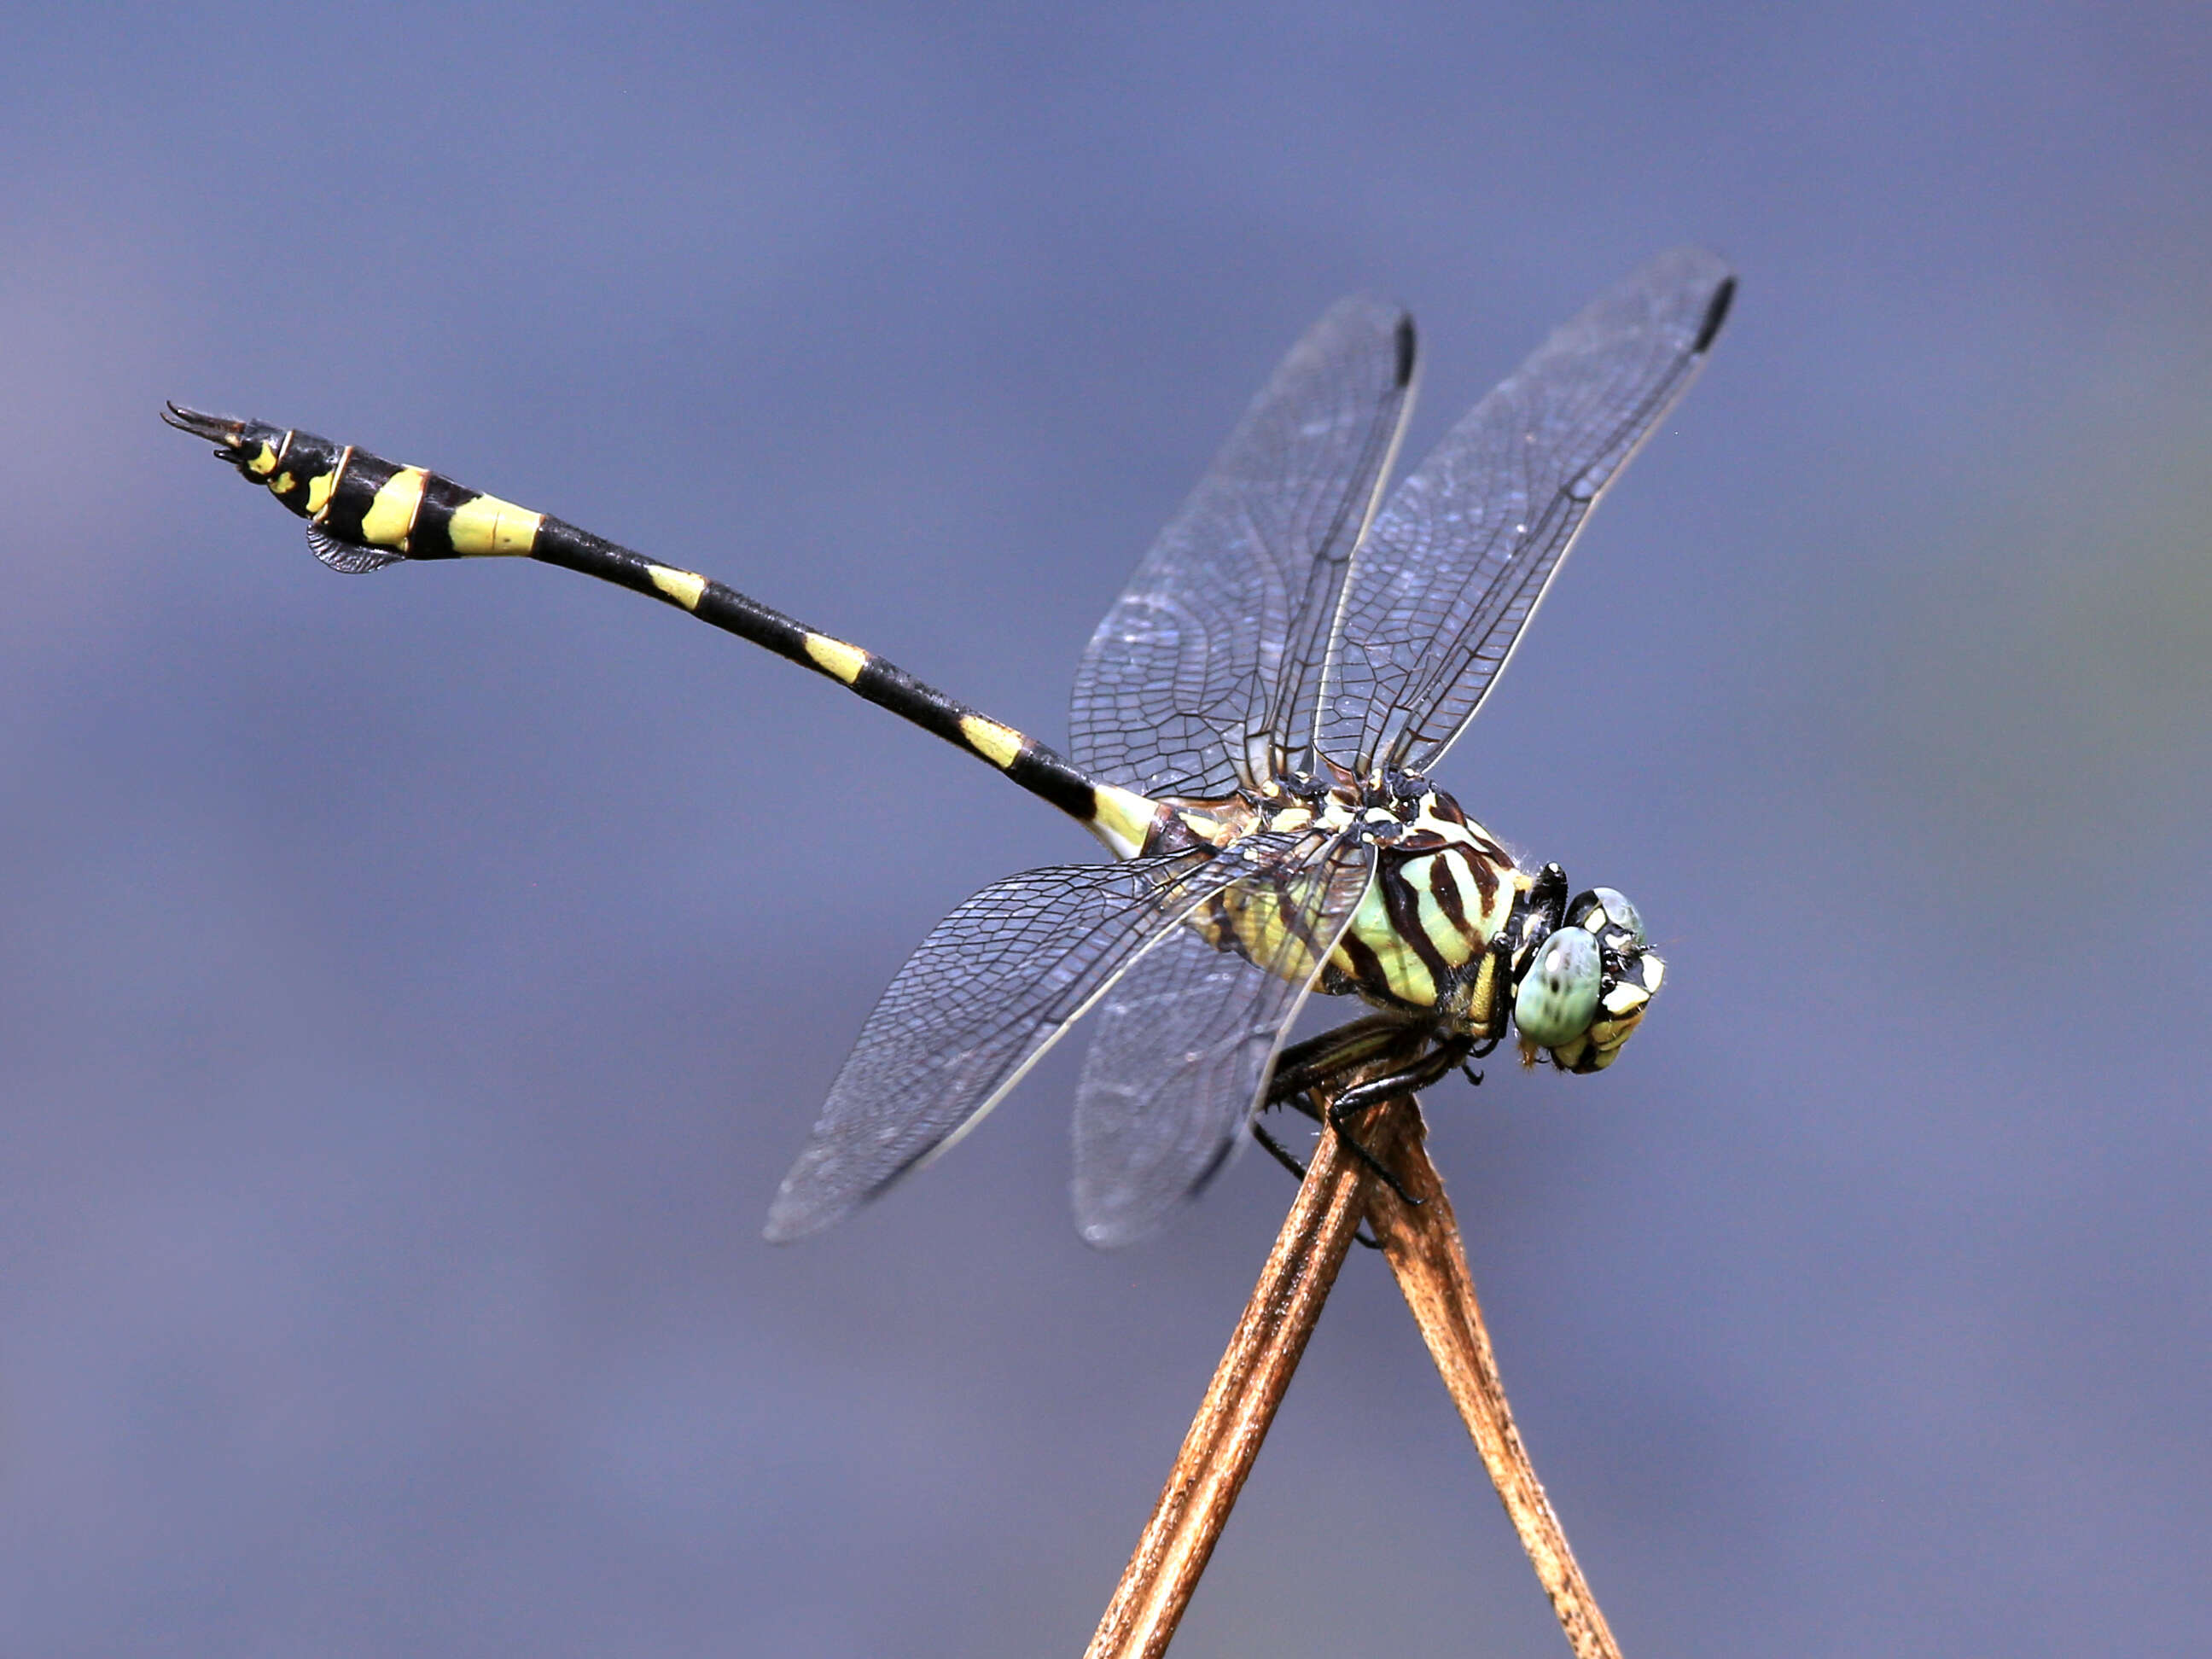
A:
(1558, 996)
(1606, 912)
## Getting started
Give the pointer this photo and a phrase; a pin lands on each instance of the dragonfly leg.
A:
(1275, 1149)
(1340, 1120)
(1289, 1160)
(1305, 1066)
(1429, 1069)
(1481, 1050)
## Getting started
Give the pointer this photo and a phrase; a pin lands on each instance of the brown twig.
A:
(1422, 1244)
(1240, 1402)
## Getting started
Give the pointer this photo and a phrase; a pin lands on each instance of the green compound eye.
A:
(1619, 911)
(1558, 996)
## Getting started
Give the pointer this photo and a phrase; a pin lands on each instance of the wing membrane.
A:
(1456, 562)
(1185, 1041)
(990, 989)
(1180, 678)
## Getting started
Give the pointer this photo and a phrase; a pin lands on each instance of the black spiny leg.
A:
(1275, 1149)
(1481, 1050)
(1318, 1061)
(1428, 1069)
(1289, 1159)
(1308, 1067)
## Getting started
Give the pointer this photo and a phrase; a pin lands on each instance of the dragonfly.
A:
(1253, 730)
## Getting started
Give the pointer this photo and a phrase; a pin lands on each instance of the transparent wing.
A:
(1185, 1041)
(1179, 678)
(1456, 561)
(984, 996)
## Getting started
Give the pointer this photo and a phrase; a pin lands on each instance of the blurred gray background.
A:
(412, 988)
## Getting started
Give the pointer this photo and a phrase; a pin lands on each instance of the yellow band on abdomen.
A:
(488, 528)
(392, 514)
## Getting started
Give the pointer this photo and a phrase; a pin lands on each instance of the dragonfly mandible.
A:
(1253, 726)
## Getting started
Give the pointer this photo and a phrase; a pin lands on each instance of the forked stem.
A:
(1248, 1385)
(1422, 1244)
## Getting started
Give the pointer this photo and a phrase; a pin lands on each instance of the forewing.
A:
(1459, 557)
(985, 995)
(1184, 1043)
(1178, 680)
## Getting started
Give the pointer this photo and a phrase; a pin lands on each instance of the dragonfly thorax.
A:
(1450, 930)
(1442, 890)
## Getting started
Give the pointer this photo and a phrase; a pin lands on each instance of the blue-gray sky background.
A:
(412, 988)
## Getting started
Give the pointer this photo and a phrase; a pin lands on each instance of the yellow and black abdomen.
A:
(376, 504)
(364, 512)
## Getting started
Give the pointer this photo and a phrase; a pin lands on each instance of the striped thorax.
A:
(1442, 889)
(1450, 929)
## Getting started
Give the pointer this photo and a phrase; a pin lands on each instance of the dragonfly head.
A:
(1581, 992)
(289, 463)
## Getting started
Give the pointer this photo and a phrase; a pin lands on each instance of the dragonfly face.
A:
(1580, 990)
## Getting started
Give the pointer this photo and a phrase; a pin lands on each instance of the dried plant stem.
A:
(1240, 1402)
(1422, 1244)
